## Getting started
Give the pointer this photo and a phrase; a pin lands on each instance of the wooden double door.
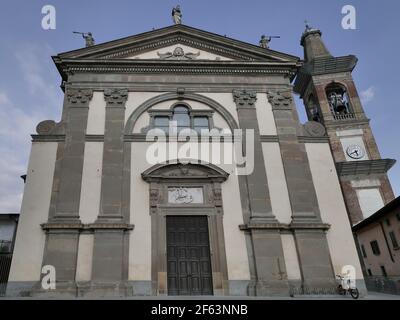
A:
(188, 256)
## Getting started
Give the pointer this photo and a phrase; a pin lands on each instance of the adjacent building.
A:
(378, 238)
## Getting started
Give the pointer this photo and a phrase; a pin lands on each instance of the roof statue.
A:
(265, 40)
(88, 38)
(177, 15)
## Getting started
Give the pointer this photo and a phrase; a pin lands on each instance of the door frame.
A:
(209, 178)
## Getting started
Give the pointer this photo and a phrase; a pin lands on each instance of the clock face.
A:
(355, 152)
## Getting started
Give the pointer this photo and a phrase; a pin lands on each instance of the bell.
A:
(341, 108)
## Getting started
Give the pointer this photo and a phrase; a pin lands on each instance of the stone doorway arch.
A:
(204, 181)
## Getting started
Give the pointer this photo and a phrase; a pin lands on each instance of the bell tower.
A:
(326, 85)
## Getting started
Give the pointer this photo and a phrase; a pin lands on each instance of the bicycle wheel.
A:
(354, 293)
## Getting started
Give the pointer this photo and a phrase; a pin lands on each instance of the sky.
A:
(29, 81)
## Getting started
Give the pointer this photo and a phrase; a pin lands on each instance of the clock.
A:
(355, 152)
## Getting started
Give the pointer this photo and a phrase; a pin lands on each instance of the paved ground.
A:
(382, 296)
(371, 296)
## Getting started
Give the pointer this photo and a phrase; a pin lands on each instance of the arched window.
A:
(180, 114)
(338, 100)
(183, 117)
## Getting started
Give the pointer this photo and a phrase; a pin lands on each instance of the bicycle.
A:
(346, 286)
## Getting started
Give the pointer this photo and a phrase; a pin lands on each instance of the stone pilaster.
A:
(267, 259)
(109, 252)
(257, 183)
(62, 228)
(113, 156)
(309, 230)
(70, 179)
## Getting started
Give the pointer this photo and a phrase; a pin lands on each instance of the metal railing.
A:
(5, 265)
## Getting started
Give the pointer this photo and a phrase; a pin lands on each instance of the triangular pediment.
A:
(179, 42)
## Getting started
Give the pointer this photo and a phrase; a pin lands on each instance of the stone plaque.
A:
(183, 195)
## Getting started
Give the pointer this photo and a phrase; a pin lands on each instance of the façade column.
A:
(110, 259)
(267, 259)
(63, 226)
(308, 229)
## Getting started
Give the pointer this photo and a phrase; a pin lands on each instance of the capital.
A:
(79, 96)
(115, 96)
(280, 100)
(244, 97)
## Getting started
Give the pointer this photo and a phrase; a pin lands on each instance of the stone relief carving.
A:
(184, 171)
(244, 97)
(185, 195)
(217, 195)
(280, 100)
(115, 96)
(154, 196)
(80, 96)
(178, 54)
(187, 171)
(314, 129)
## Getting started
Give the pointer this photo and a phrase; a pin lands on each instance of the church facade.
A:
(113, 222)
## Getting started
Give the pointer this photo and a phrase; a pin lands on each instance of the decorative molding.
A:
(219, 68)
(79, 96)
(48, 137)
(86, 227)
(244, 97)
(285, 227)
(191, 171)
(141, 137)
(307, 139)
(115, 96)
(280, 100)
(178, 54)
(154, 196)
(217, 195)
(94, 137)
(269, 138)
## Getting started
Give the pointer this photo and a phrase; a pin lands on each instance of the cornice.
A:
(320, 66)
(193, 67)
(367, 167)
